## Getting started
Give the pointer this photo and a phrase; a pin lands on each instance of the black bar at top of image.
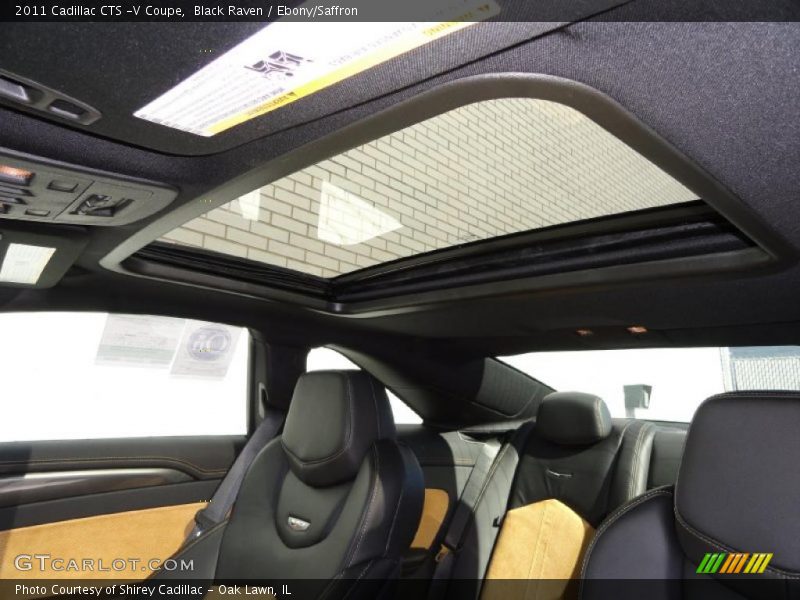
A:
(176, 11)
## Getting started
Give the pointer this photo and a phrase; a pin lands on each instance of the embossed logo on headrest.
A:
(296, 524)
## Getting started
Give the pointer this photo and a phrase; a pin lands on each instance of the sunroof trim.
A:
(608, 224)
(593, 104)
(358, 295)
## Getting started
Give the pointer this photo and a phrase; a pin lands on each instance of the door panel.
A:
(127, 545)
(201, 457)
(38, 487)
(49, 481)
(124, 426)
(102, 500)
(63, 509)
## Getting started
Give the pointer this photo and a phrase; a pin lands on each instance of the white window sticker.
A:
(288, 60)
(206, 350)
(134, 340)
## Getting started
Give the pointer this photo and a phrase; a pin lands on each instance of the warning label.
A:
(288, 60)
(279, 66)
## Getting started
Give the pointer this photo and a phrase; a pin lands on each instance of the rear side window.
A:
(321, 359)
(96, 375)
(664, 384)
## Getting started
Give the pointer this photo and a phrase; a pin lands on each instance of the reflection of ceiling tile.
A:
(345, 219)
(249, 205)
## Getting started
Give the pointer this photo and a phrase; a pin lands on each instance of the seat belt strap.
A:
(491, 458)
(225, 495)
(463, 514)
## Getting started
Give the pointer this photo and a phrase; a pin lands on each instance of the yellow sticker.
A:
(289, 60)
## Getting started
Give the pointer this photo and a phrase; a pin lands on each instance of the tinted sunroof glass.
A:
(477, 172)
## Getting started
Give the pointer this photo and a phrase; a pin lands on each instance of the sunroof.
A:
(478, 172)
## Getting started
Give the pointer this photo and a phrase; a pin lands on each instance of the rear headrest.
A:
(739, 480)
(573, 419)
(333, 420)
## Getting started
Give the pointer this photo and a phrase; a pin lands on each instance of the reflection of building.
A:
(761, 368)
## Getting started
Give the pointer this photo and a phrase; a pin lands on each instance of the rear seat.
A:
(668, 446)
(555, 483)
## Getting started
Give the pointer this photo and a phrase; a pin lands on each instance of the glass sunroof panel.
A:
(477, 172)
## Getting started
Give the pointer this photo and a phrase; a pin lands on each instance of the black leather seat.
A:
(574, 453)
(738, 492)
(577, 454)
(330, 506)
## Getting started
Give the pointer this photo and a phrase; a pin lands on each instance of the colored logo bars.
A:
(734, 563)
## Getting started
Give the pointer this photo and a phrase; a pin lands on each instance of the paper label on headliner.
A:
(288, 60)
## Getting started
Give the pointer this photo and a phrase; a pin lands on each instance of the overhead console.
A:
(33, 189)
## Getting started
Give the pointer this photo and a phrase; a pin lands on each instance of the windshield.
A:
(663, 384)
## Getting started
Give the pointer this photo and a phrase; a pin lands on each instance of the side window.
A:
(96, 375)
(320, 359)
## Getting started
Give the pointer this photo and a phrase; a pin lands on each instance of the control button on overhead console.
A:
(59, 185)
(97, 200)
(7, 190)
(101, 205)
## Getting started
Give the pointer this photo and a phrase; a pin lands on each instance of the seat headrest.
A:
(573, 419)
(334, 419)
(739, 480)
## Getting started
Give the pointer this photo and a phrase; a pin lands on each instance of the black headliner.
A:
(725, 94)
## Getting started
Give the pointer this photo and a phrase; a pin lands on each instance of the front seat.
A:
(330, 506)
(737, 499)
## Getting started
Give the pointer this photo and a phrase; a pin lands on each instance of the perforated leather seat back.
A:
(737, 494)
(332, 504)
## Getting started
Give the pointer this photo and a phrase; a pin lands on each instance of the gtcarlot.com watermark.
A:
(45, 563)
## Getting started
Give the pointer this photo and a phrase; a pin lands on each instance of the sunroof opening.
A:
(481, 171)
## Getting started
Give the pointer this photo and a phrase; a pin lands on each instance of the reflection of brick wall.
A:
(480, 171)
